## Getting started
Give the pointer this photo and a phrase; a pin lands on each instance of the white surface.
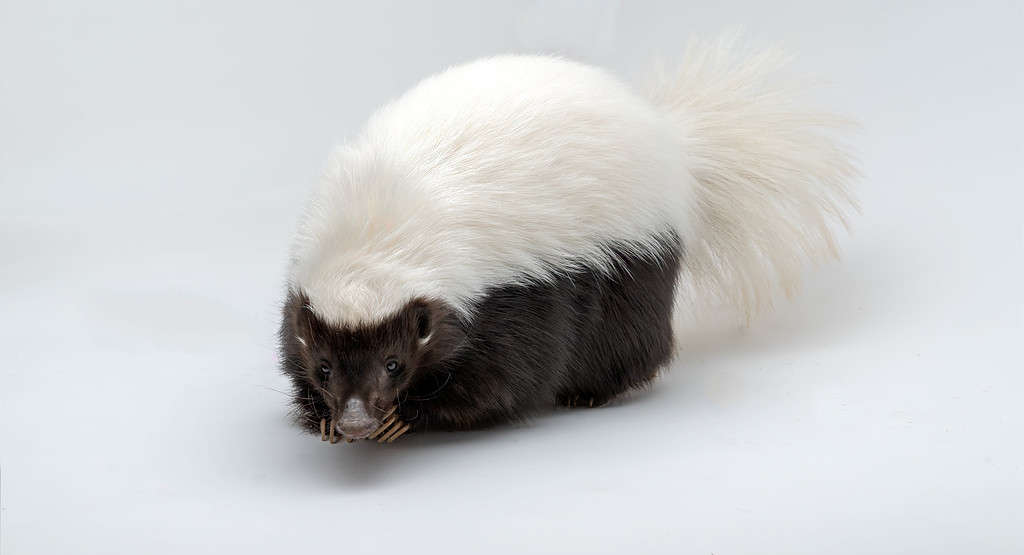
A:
(153, 161)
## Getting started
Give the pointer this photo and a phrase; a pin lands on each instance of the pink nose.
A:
(355, 421)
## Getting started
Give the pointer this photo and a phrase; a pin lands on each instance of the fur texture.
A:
(771, 178)
(506, 170)
(547, 217)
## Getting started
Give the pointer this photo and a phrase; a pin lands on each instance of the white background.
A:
(153, 159)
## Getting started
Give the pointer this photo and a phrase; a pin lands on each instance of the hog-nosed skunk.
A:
(518, 231)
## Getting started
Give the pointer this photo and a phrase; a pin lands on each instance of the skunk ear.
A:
(422, 321)
(438, 330)
(297, 320)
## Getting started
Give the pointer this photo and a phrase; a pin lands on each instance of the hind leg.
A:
(624, 327)
(606, 387)
(582, 400)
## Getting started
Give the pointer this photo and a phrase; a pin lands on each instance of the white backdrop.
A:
(153, 158)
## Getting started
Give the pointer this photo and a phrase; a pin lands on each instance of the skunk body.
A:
(519, 231)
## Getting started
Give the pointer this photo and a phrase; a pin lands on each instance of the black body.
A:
(585, 336)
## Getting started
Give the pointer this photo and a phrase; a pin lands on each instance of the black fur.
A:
(584, 336)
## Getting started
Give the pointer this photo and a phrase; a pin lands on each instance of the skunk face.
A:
(353, 375)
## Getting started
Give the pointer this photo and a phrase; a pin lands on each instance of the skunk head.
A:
(352, 374)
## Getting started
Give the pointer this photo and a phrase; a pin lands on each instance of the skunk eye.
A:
(391, 366)
(325, 368)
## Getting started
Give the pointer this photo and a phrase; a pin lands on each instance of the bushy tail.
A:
(772, 180)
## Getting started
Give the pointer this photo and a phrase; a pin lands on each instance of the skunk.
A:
(523, 231)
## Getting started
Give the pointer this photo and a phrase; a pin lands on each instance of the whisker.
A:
(274, 390)
(310, 404)
(325, 392)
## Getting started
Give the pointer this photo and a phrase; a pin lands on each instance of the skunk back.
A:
(504, 171)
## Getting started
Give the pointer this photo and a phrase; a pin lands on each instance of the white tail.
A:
(772, 181)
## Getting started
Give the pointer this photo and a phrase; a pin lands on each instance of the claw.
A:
(384, 426)
(384, 438)
(390, 428)
(397, 433)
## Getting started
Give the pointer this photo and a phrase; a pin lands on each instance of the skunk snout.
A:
(355, 421)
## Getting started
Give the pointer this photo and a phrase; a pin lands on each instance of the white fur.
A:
(771, 177)
(515, 168)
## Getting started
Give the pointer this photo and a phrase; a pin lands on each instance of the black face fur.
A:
(585, 337)
(375, 365)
